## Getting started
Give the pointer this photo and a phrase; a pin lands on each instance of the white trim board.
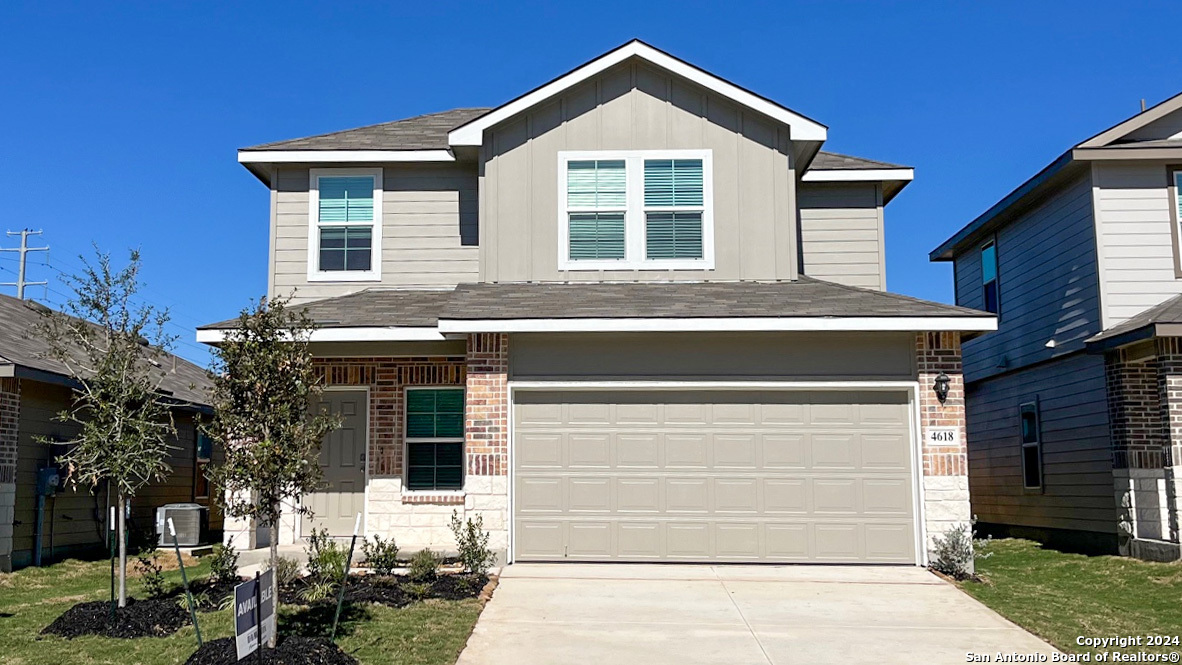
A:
(341, 156)
(858, 175)
(758, 324)
(802, 128)
(374, 274)
(376, 334)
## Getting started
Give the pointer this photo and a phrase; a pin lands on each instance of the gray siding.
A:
(1167, 127)
(1135, 243)
(1047, 284)
(429, 230)
(633, 107)
(841, 233)
(1076, 458)
(811, 356)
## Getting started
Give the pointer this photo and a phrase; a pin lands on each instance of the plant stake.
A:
(111, 540)
(345, 579)
(185, 580)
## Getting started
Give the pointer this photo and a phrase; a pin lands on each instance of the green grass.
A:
(427, 633)
(1063, 596)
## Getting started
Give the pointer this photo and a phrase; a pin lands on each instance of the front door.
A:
(342, 460)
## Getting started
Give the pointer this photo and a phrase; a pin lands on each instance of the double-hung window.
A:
(1031, 438)
(635, 210)
(989, 295)
(434, 438)
(203, 453)
(345, 242)
(1175, 188)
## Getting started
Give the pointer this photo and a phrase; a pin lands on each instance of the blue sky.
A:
(120, 124)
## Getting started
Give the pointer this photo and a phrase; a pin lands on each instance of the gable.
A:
(1161, 122)
(1167, 127)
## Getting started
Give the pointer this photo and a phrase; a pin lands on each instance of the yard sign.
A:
(246, 633)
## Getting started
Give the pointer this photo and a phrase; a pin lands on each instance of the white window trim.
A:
(634, 218)
(407, 440)
(374, 274)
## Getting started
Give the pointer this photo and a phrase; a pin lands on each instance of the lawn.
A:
(1063, 596)
(425, 633)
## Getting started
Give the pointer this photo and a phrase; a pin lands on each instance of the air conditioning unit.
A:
(186, 517)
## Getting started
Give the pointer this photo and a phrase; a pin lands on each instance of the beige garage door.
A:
(713, 476)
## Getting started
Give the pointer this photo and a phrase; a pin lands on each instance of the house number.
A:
(943, 436)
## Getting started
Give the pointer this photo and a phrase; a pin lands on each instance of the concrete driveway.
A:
(653, 614)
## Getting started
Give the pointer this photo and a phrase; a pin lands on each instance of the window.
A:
(636, 210)
(989, 276)
(1175, 187)
(434, 438)
(345, 233)
(1031, 438)
(203, 454)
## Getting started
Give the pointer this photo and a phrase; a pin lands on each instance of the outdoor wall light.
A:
(941, 387)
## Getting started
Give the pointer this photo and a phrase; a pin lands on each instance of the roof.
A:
(370, 308)
(838, 162)
(805, 297)
(1164, 319)
(422, 132)
(22, 350)
(1133, 123)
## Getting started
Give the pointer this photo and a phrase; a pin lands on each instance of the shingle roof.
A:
(20, 346)
(370, 308)
(806, 297)
(832, 161)
(1166, 313)
(422, 132)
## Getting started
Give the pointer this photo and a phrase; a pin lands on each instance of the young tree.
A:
(113, 350)
(263, 393)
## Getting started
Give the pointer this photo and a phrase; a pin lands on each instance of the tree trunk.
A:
(274, 568)
(122, 535)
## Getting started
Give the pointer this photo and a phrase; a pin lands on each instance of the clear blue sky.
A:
(119, 125)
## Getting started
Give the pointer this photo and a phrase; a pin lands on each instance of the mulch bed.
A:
(290, 651)
(208, 594)
(388, 590)
(159, 617)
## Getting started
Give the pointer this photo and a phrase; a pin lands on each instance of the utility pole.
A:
(24, 250)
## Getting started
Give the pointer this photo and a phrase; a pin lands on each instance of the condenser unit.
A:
(186, 517)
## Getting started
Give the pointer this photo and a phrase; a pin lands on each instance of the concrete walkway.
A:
(650, 614)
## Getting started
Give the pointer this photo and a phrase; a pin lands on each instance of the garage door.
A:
(713, 476)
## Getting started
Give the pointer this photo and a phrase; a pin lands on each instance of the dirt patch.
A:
(141, 618)
(166, 559)
(392, 590)
(289, 651)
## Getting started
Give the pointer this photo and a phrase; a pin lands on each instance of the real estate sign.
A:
(248, 596)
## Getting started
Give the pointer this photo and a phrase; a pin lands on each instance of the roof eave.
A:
(725, 324)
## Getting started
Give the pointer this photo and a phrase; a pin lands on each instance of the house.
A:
(635, 314)
(34, 389)
(1072, 410)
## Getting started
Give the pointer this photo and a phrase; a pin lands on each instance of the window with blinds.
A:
(434, 438)
(346, 210)
(636, 210)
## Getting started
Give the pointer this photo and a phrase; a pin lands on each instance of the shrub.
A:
(151, 572)
(381, 555)
(317, 591)
(957, 550)
(472, 542)
(287, 570)
(417, 590)
(326, 558)
(424, 567)
(223, 565)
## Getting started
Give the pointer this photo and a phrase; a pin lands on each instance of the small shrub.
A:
(223, 565)
(381, 555)
(287, 570)
(417, 590)
(317, 591)
(472, 542)
(424, 567)
(326, 558)
(151, 573)
(199, 599)
(957, 551)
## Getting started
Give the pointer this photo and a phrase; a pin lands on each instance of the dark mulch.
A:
(158, 617)
(388, 590)
(290, 651)
(209, 594)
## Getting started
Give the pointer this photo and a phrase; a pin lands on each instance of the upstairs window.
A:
(345, 234)
(636, 210)
(989, 277)
(1031, 438)
(1175, 187)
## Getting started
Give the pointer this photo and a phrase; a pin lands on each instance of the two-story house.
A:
(1074, 408)
(635, 314)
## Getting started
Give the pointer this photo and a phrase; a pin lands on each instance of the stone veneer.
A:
(945, 467)
(10, 404)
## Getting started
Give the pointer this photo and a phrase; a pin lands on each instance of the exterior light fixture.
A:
(941, 387)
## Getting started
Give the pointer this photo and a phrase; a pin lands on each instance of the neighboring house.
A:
(34, 389)
(634, 314)
(1073, 399)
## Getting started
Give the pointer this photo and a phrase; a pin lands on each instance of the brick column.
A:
(10, 405)
(486, 429)
(945, 465)
(1169, 384)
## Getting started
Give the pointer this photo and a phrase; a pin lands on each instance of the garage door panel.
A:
(713, 476)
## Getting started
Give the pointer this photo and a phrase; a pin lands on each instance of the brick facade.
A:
(10, 404)
(945, 466)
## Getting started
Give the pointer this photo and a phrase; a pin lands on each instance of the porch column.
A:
(945, 462)
(486, 435)
(10, 406)
(1169, 384)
